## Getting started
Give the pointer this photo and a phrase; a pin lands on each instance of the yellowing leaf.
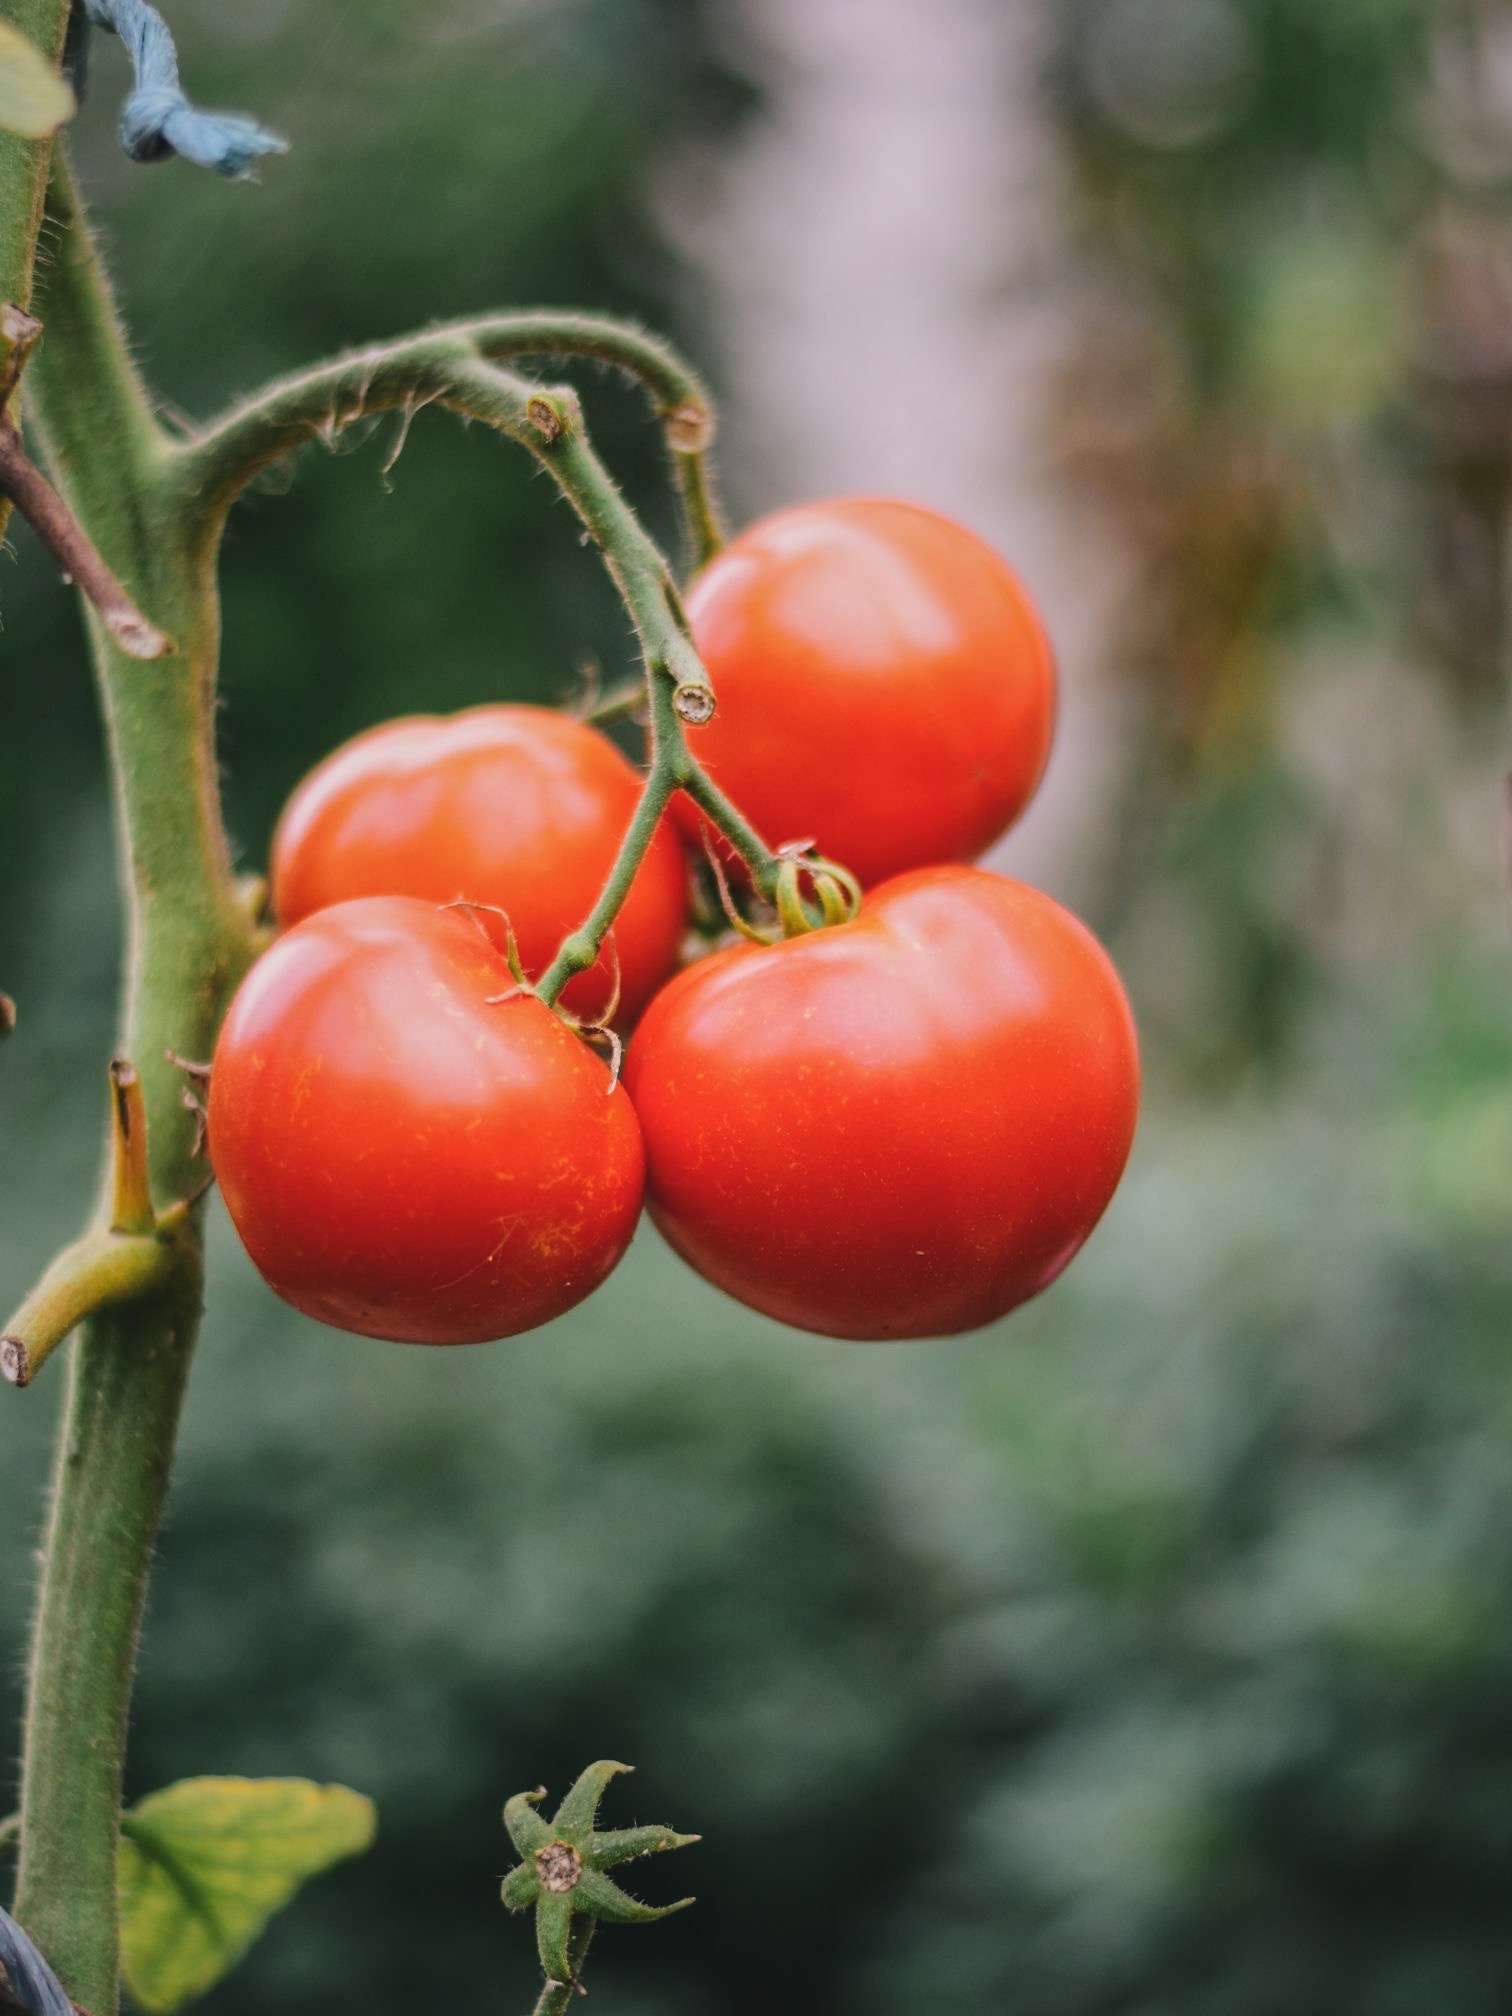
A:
(205, 1865)
(34, 100)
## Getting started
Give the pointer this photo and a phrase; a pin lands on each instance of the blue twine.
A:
(27, 1975)
(157, 120)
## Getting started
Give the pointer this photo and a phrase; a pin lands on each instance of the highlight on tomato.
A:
(514, 807)
(886, 687)
(404, 1153)
(901, 1126)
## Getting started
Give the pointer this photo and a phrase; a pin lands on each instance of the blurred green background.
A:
(1153, 1651)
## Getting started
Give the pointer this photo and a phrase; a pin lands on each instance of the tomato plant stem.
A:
(99, 1271)
(189, 939)
(558, 1997)
(24, 163)
(454, 366)
(23, 186)
(678, 395)
(153, 509)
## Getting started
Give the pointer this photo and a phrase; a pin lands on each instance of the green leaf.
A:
(34, 100)
(205, 1865)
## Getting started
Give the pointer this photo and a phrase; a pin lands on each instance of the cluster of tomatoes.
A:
(901, 1124)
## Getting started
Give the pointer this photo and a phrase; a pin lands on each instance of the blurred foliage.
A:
(1148, 1654)
(1293, 400)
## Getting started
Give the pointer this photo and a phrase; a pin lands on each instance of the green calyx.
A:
(562, 1871)
(807, 891)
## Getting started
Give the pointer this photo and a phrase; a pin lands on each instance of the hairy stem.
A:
(580, 950)
(678, 395)
(189, 939)
(99, 1271)
(23, 484)
(446, 366)
(557, 1997)
(24, 167)
(24, 163)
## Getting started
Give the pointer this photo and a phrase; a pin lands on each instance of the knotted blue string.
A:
(30, 1980)
(157, 120)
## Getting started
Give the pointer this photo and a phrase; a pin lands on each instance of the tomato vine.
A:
(153, 507)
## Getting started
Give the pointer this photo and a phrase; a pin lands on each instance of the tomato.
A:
(901, 1126)
(885, 685)
(516, 807)
(402, 1158)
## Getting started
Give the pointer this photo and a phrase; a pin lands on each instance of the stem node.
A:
(130, 1188)
(551, 414)
(690, 429)
(695, 704)
(18, 338)
(75, 552)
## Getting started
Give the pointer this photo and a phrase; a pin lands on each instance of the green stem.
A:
(679, 396)
(24, 163)
(557, 1997)
(24, 167)
(413, 372)
(580, 950)
(99, 1271)
(618, 704)
(189, 939)
(446, 367)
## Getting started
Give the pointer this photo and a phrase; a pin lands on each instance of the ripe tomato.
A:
(401, 1158)
(516, 807)
(902, 1126)
(885, 685)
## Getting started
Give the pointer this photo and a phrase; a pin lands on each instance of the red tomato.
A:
(902, 1126)
(516, 807)
(403, 1159)
(885, 685)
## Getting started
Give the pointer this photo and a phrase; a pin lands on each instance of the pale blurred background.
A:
(1152, 1652)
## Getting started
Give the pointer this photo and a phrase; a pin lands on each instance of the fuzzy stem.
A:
(23, 190)
(130, 1179)
(189, 939)
(96, 1272)
(24, 163)
(580, 950)
(678, 395)
(558, 1997)
(24, 485)
(445, 366)
(232, 450)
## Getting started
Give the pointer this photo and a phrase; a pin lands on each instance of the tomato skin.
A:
(903, 1126)
(402, 1159)
(513, 806)
(885, 684)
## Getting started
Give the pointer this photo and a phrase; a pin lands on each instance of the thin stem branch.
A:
(678, 396)
(70, 545)
(99, 1271)
(558, 1997)
(580, 950)
(619, 704)
(452, 366)
(130, 1183)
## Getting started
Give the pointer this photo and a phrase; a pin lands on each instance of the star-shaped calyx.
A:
(563, 1865)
